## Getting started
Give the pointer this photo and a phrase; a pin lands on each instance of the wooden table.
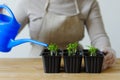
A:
(32, 69)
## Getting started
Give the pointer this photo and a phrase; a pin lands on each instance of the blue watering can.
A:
(9, 28)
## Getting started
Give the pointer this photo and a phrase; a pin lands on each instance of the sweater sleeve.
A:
(20, 12)
(95, 28)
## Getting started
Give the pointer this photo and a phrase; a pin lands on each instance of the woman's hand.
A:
(109, 58)
(1, 10)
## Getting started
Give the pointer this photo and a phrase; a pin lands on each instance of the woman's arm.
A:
(20, 12)
(95, 27)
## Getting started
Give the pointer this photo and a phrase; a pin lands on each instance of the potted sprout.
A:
(51, 59)
(93, 60)
(72, 58)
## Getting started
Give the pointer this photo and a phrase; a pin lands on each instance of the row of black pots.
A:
(72, 64)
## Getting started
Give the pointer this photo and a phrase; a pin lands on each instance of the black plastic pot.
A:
(72, 64)
(51, 64)
(93, 64)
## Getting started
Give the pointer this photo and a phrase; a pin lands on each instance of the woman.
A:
(62, 22)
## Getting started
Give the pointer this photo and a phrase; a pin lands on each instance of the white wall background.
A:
(110, 10)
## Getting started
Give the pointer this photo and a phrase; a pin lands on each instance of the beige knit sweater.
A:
(61, 22)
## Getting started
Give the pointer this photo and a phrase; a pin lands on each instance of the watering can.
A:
(9, 28)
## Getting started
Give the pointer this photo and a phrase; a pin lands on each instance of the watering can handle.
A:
(8, 9)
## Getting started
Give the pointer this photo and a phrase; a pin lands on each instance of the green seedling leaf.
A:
(53, 49)
(92, 50)
(72, 48)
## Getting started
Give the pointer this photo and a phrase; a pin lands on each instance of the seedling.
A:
(53, 49)
(72, 48)
(92, 50)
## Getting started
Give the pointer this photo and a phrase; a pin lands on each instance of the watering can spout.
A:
(14, 43)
